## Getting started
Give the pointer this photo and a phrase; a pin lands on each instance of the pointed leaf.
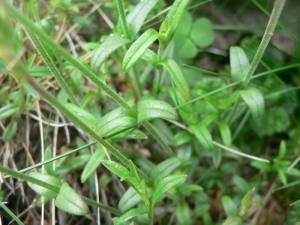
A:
(48, 155)
(164, 185)
(150, 109)
(182, 137)
(229, 206)
(225, 133)
(82, 114)
(239, 63)
(137, 16)
(117, 169)
(130, 214)
(150, 57)
(138, 48)
(164, 168)
(69, 201)
(106, 48)
(254, 100)
(129, 199)
(183, 215)
(131, 134)
(93, 163)
(10, 131)
(8, 110)
(177, 77)
(47, 179)
(203, 135)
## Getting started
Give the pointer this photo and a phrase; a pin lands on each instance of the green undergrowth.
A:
(137, 108)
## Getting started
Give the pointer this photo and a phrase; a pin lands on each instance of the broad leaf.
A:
(164, 168)
(129, 199)
(239, 63)
(138, 48)
(202, 33)
(69, 201)
(150, 109)
(10, 131)
(8, 110)
(83, 115)
(203, 135)
(92, 164)
(229, 206)
(225, 133)
(177, 77)
(107, 47)
(254, 100)
(137, 16)
(54, 181)
(183, 215)
(164, 185)
(117, 169)
(130, 214)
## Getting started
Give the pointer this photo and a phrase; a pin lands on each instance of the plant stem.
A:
(11, 214)
(277, 9)
(123, 18)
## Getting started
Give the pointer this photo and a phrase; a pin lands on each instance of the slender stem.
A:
(138, 82)
(11, 214)
(45, 56)
(102, 206)
(123, 18)
(277, 9)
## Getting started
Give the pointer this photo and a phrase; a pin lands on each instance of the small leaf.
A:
(138, 48)
(254, 100)
(164, 168)
(262, 165)
(247, 199)
(137, 16)
(131, 134)
(47, 179)
(92, 164)
(82, 114)
(229, 206)
(150, 109)
(183, 215)
(10, 131)
(233, 220)
(164, 185)
(48, 155)
(282, 150)
(106, 48)
(130, 214)
(69, 201)
(177, 77)
(117, 169)
(8, 110)
(217, 155)
(225, 133)
(30, 61)
(202, 33)
(203, 135)
(182, 137)
(282, 176)
(150, 57)
(239, 63)
(129, 199)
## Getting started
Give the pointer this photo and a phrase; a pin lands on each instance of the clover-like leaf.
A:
(177, 77)
(69, 201)
(138, 48)
(239, 63)
(150, 109)
(107, 47)
(255, 101)
(203, 135)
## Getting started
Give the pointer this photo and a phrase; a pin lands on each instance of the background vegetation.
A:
(149, 112)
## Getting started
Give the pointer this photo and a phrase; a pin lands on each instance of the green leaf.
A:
(8, 110)
(239, 63)
(138, 48)
(189, 188)
(137, 16)
(130, 214)
(225, 133)
(183, 215)
(247, 199)
(202, 33)
(164, 168)
(182, 137)
(203, 135)
(131, 134)
(129, 199)
(172, 19)
(229, 206)
(30, 90)
(282, 150)
(117, 169)
(217, 155)
(30, 61)
(164, 185)
(282, 176)
(177, 77)
(150, 109)
(115, 121)
(150, 57)
(262, 165)
(42, 200)
(10, 131)
(233, 220)
(92, 164)
(69, 201)
(54, 181)
(254, 100)
(48, 155)
(106, 48)
(82, 114)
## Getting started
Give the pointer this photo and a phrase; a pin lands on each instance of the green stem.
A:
(123, 18)
(11, 214)
(45, 56)
(101, 206)
(277, 9)
(138, 82)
